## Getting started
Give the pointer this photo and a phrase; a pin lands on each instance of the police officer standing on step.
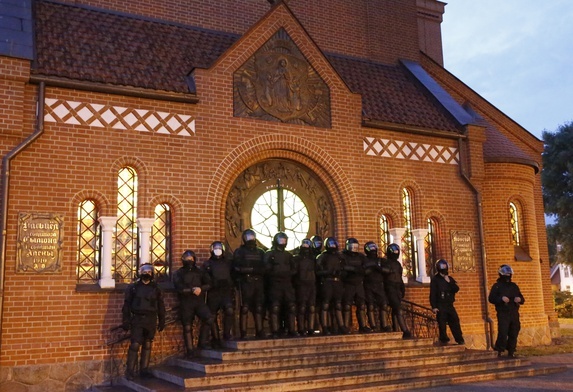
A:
(221, 295)
(374, 288)
(249, 267)
(305, 288)
(507, 298)
(394, 285)
(329, 268)
(143, 312)
(191, 284)
(279, 270)
(443, 289)
(353, 279)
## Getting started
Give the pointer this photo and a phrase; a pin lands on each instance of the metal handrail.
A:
(421, 319)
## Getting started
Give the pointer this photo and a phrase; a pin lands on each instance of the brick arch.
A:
(442, 234)
(174, 202)
(416, 198)
(273, 146)
(99, 198)
(142, 180)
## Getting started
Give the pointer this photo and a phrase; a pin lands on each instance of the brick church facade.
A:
(131, 131)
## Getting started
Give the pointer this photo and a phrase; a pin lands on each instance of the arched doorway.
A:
(277, 195)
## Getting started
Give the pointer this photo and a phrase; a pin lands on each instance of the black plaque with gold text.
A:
(39, 242)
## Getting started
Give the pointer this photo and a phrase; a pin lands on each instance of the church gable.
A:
(277, 83)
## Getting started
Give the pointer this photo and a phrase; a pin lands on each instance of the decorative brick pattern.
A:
(399, 149)
(117, 117)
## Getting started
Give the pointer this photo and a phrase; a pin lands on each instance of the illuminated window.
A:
(384, 233)
(430, 246)
(161, 242)
(408, 243)
(514, 222)
(280, 210)
(89, 233)
(126, 227)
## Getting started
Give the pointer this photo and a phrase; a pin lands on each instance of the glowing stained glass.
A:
(269, 215)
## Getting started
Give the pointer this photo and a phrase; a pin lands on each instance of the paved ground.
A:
(562, 381)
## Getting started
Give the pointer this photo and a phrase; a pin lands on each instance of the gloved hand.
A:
(125, 326)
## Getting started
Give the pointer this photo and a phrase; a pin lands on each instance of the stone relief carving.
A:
(279, 84)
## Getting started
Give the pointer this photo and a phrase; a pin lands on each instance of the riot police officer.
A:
(221, 295)
(374, 288)
(143, 312)
(316, 244)
(279, 270)
(249, 267)
(394, 285)
(507, 298)
(191, 284)
(353, 279)
(329, 269)
(443, 289)
(305, 288)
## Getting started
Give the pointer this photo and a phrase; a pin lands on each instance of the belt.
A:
(333, 279)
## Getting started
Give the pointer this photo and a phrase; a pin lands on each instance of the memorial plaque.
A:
(39, 242)
(462, 251)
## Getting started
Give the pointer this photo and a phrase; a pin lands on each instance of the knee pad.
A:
(134, 346)
(338, 306)
(311, 309)
(361, 307)
(346, 308)
(187, 328)
(275, 309)
(259, 309)
(244, 309)
(325, 307)
(302, 309)
(291, 308)
(370, 308)
(147, 344)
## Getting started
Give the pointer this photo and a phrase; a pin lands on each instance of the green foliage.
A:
(557, 180)
(563, 304)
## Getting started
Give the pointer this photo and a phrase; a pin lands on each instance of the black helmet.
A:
(188, 258)
(330, 244)
(217, 249)
(146, 272)
(249, 238)
(393, 251)
(371, 249)
(280, 241)
(316, 243)
(352, 245)
(305, 246)
(505, 270)
(442, 266)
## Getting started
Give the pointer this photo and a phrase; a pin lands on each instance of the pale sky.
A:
(517, 54)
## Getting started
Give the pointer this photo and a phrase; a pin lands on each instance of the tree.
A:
(557, 180)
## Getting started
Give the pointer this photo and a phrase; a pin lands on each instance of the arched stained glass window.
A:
(161, 242)
(408, 243)
(430, 246)
(280, 210)
(384, 233)
(89, 240)
(514, 222)
(126, 228)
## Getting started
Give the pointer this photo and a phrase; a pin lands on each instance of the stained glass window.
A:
(280, 210)
(514, 222)
(161, 242)
(408, 243)
(126, 228)
(89, 237)
(384, 233)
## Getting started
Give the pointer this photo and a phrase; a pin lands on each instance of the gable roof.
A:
(89, 45)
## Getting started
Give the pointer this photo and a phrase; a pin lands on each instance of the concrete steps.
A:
(357, 362)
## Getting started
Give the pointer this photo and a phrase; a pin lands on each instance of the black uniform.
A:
(221, 295)
(394, 285)
(353, 279)
(305, 290)
(279, 270)
(329, 268)
(186, 279)
(143, 312)
(508, 324)
(442, 297)
(248, 265)
(375, 293)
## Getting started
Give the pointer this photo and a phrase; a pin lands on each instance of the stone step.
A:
(362, 377)
(210, 365)
(251, 352)
(190, 378)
